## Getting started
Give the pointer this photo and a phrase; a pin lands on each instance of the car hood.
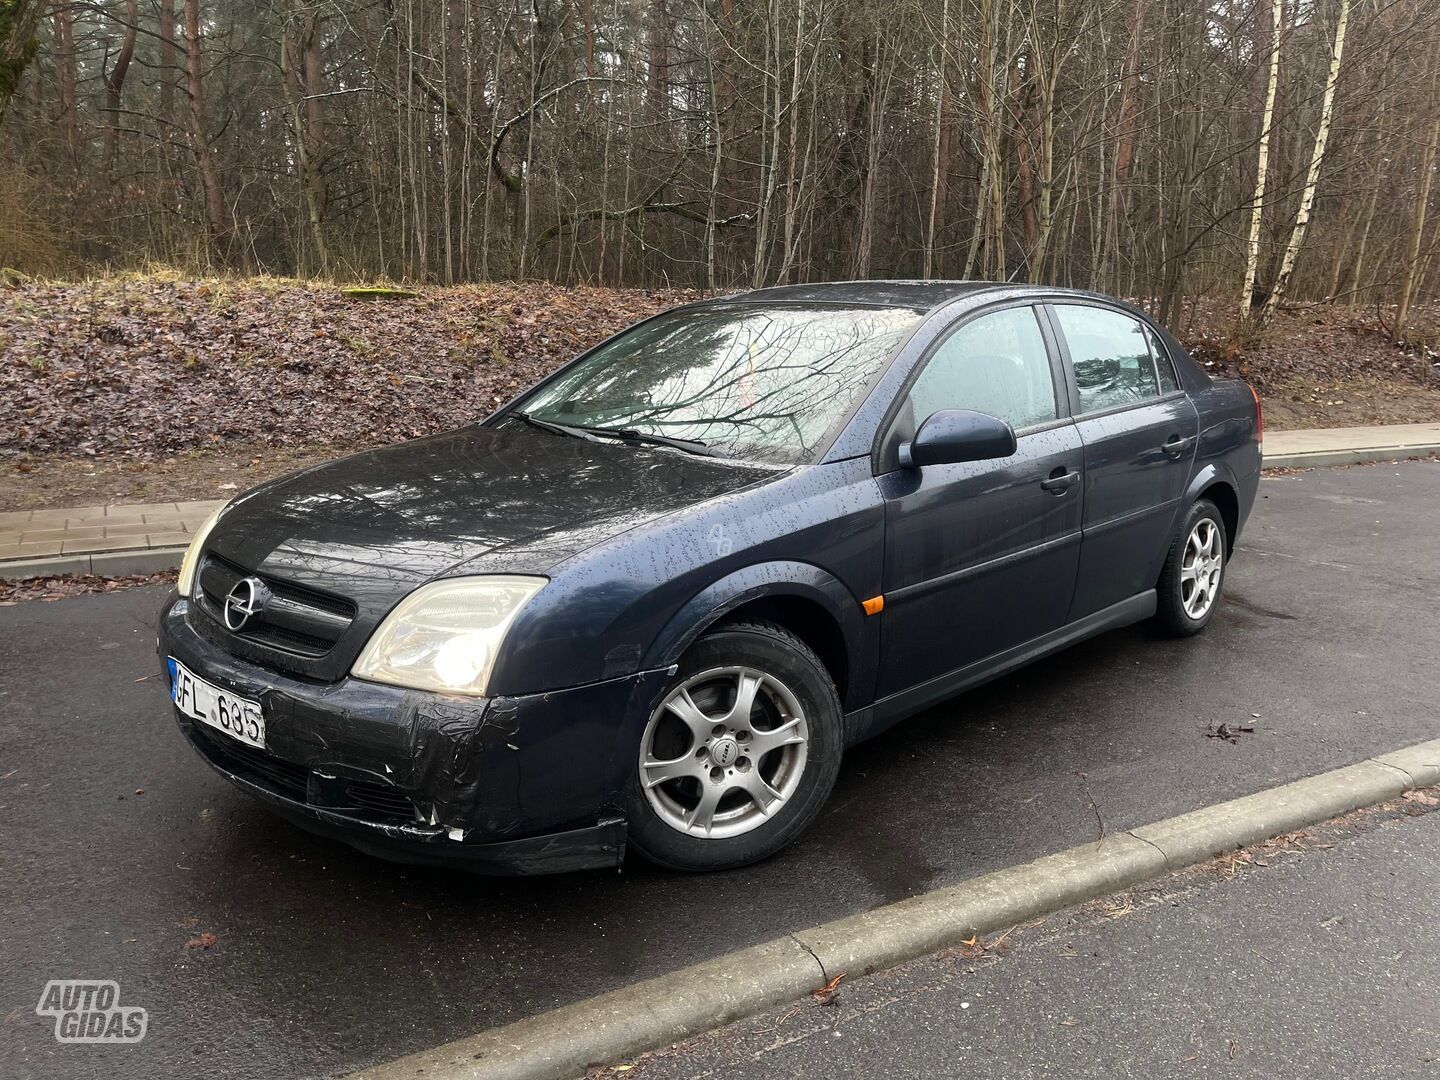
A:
(477, 500)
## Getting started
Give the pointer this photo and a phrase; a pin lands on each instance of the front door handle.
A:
(1059, 482)
(1175, 446)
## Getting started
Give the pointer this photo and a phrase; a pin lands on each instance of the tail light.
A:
(1259, 416)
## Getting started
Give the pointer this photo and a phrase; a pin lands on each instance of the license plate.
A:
(236, 716)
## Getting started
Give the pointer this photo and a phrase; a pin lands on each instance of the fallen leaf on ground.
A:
(826, 994)
(204, 941)
(1228, 733)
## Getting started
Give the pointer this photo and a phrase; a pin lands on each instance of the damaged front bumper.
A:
(507, 785)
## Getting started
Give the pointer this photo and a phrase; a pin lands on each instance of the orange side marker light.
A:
(874, 605)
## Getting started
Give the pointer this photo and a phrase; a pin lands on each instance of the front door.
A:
(1139, 430)
(981, 556)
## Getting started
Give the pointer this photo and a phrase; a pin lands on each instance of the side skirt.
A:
(870, 721)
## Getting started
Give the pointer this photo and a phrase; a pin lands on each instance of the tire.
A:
(702, 808)
(1200, 538)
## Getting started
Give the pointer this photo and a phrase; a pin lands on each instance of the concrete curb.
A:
(105, 563)
(561, 1044)
(1318, 459)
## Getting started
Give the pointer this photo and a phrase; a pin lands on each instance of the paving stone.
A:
(27, 551)
(89, 532)
(114, 543)
(52, 519)
(121, 515)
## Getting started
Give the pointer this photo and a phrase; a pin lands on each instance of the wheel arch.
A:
(806, 600)
(1217, 483)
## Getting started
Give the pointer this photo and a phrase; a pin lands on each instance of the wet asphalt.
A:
(1318, 958)
(325, 960)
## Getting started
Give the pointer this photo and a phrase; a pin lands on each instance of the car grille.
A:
(297, 620)
(361, 799)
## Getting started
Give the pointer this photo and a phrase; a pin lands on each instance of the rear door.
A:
(1139, 432)
(981, 556)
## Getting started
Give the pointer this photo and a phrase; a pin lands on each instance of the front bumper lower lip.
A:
(521, 785)
(599, 846)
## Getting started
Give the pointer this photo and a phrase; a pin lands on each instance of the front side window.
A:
(995, 364)
(1110, 356)
(763, 382)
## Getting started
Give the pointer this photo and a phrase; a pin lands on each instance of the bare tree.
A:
(1312, 178)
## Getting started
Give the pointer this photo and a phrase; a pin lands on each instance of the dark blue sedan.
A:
(650, 602)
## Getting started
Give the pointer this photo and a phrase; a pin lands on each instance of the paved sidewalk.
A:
(130, 538)
(1349, 446)
(136, 538)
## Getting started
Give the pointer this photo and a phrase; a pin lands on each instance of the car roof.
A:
(920, 295)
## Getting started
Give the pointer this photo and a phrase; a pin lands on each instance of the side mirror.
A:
(951, 436)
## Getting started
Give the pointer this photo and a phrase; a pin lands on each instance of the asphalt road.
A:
(1319, 959)
(325, 960)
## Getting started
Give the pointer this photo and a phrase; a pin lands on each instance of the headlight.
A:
(444, 636)
(186, 584)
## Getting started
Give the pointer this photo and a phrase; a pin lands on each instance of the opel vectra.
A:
(651, 601)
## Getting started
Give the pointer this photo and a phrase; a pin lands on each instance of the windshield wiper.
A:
(690, 446)
(593, 434)
(558, 429)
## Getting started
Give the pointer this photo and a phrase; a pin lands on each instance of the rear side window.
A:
(1110, 355)
(1164, 366)
(995, 364)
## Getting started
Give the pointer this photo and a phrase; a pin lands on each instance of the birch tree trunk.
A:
(1262, 165)
(1312, 178)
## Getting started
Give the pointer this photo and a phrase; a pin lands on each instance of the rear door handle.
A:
(1059, 482)
(1175, 446)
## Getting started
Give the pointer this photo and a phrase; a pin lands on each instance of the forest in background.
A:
(1160, 149)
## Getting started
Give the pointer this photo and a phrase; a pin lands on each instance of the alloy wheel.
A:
(724, 752)
(1201, 567)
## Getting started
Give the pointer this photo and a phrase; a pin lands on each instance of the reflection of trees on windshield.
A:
(760, 381)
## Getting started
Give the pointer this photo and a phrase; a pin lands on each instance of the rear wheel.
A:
(1194, 573)
(740, 753)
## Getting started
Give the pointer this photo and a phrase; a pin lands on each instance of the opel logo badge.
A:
(247, 598)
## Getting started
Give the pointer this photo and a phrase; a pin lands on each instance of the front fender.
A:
(777, 579)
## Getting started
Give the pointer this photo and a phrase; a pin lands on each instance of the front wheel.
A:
(740, 753)
(1194, 573)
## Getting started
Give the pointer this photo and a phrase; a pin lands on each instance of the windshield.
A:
(763, 382)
